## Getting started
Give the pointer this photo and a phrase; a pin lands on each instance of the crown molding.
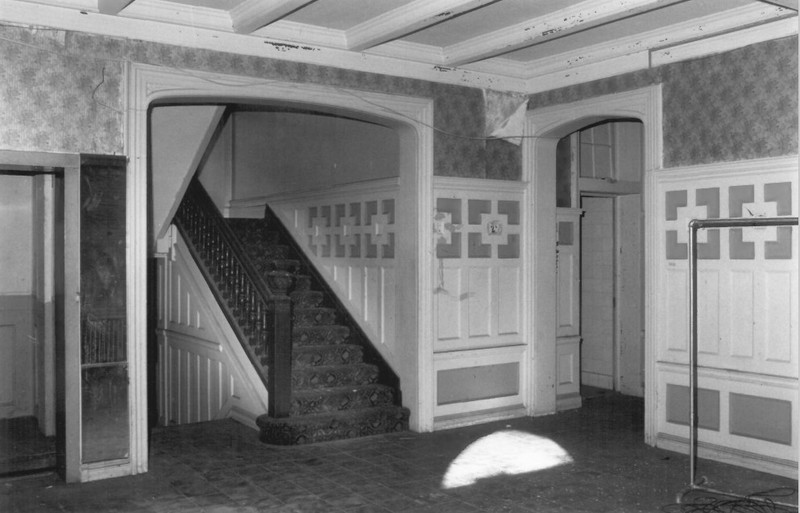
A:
(726, 42)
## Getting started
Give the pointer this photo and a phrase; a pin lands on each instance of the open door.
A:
(31, 259)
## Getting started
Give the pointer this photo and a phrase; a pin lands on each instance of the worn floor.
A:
(600, 465)
(23, 447)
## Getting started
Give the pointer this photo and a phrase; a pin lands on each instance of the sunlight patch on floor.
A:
(503, 453)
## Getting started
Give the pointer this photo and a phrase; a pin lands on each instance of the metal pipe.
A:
(694, 225)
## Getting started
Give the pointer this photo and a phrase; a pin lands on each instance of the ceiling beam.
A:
(572, 19)
(112, 7)
(406, 19)
(251, 15)
(789, 4)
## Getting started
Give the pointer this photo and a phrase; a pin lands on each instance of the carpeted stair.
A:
(336, 393)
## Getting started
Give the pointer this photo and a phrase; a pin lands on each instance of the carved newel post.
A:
(280, 376)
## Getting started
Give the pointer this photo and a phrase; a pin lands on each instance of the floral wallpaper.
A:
(61, 91)
(736, 105)
(54, 101)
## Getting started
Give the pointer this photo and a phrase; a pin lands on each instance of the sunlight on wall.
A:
(503, 453)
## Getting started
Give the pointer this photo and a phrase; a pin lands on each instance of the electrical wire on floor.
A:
(759, 502)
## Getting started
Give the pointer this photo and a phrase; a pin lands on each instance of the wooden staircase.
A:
(332, 384)
(335, 392)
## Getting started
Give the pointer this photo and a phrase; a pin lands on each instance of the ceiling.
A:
(525, 42)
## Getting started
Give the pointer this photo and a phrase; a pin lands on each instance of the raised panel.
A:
(448, 305)
(741, 314)
(779, 305)
(388, 306)
(568, 322)
(708, 312)
(357, 290)
(480, 301)
(675, 324)
(341, 276)
(509, 301)
(372, 296)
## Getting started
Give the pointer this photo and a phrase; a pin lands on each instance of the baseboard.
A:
(479, 417)
(746, 459)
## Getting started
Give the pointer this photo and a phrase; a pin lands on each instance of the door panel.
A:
(597, 292)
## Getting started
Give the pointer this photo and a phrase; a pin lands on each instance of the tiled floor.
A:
(221, 467)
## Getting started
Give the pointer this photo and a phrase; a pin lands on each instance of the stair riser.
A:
(350, 399)
(317, 336)
(307, 298)
(374, 422)
(314, 317)
(312, 356)
(315, 377)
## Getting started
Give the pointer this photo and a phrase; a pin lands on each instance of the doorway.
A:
(31, 286)
(599, 172)
(612, 356)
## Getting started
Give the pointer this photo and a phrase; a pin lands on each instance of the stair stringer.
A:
(215, 378)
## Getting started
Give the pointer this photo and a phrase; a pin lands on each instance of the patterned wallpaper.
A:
(732, 106)
(61, 92)
(53, 101)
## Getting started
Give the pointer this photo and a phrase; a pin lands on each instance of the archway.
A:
(544, 128)
(413, 118)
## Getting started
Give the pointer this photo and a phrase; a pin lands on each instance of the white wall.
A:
(16, 235)
(17, 369)
(276, 152)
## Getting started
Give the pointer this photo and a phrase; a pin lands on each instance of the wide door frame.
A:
(543, 128)
(67, 364)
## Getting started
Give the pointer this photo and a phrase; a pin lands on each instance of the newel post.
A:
(280, 374)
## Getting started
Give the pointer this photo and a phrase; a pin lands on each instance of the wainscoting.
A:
(203, 372)
(747, 313)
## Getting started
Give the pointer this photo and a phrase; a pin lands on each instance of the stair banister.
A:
(237, 284)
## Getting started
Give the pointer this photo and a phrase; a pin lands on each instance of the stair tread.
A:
(338, 414)
(308, 392)
(320, 368)
(309, 348)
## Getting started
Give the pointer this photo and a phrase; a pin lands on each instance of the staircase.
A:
(340, 387)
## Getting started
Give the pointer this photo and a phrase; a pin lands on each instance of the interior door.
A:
(16, 296)
(597, 292)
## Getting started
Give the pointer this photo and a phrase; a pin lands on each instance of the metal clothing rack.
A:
(694, 226)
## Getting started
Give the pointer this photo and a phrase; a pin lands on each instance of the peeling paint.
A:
(285, 47)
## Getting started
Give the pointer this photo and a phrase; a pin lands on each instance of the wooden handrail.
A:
(256, 306)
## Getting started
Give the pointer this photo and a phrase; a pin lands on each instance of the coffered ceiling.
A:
(512, 44)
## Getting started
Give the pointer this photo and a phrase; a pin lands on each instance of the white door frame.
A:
(412, 117)
(543, 128)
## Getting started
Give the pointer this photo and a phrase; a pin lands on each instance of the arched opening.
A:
(409, 117)
(545, 128)
(599, 172)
